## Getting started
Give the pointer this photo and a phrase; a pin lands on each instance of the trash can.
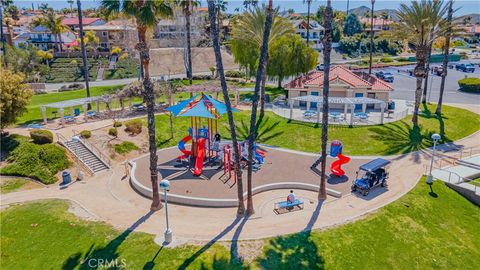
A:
(76, 111)
(267, 98)
(391, 105)
(66, 177)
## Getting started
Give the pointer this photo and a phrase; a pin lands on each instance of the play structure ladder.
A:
(86, 156)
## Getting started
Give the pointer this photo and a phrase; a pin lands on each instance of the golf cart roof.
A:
(374, 164)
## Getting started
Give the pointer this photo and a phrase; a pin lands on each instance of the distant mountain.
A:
(360, 11)
(473, 18)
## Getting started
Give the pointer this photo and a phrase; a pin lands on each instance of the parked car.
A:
(320, 67)
(468, 67)
(438, 70)
(371, 175)
(386, 76)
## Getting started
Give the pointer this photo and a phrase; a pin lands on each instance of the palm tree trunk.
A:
(231, 122)
(309, 2)
(2, 36)
(84, 52)
(262, 92)
(253, 117)
(60, 41)
(327, 48)
(421, 55)
(189, 42)
(438, 111)
(371, 41)
(427, 69)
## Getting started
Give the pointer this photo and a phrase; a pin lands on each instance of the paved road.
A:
(404, 85)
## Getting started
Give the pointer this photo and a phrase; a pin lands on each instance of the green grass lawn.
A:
(393, 138)
(419, 231)
(43, 235)
(475, 182)
(12, 184)
(34, 114)
(422, 230)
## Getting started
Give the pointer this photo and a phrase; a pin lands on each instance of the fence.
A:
(299, 114)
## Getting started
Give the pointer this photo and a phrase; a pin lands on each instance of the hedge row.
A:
(471, 85)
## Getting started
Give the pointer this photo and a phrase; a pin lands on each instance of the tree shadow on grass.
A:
(107, 253)
(217, 261)
(296, 251)
(400, 137)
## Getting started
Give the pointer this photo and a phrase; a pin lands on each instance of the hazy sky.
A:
(466, 6)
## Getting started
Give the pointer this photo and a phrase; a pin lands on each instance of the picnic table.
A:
(336, 116)
(361, 116)
(91, 113)
(69, 118)
(309, 113)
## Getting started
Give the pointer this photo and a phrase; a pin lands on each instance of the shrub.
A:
(41, 162)
(41, 136)
(458, 43)
(117, 124)
(202, 77)
(471, 85)
(71, 87)
(402, 59)
(86, 134)
(386, 59)
(125, 147)
(113, 132)
(134, 126)
(234, 74)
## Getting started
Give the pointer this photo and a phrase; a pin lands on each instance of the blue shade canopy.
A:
(198, 110)
(177, 108)
(220, 107)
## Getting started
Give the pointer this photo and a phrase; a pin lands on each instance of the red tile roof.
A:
(315, 78)
(74, 21)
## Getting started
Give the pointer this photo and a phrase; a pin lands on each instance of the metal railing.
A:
(298, 115)
(94, 149)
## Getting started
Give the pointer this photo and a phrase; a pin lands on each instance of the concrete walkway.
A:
(109, 197)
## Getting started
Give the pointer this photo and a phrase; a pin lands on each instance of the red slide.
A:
(200, 157)
(336, 166)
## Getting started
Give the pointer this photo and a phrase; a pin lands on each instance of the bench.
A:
(285, 206)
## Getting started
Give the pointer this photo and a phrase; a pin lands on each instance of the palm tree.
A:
(384, 15)
(327, 48)
(348, 7)
(53, 23)
(371, 39)
(445, 56)
(309, 3)
(84, 53)
(231, 123)
(186, 6)
(146, 14)
(253, 117)
(418, 21)
(249, 30)
(220, 6)
(71, 6)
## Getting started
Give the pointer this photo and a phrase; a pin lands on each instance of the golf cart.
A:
(370, 175)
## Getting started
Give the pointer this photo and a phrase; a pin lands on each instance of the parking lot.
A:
(405, 84)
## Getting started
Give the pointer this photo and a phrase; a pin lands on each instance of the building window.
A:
(104, 33)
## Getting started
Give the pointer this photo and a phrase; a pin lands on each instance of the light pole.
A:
(165, 185)
(79, 171)
(435, 138)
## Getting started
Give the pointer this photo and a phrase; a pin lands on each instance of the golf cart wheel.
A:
(384, 184)
(354, 188)
(364, 192)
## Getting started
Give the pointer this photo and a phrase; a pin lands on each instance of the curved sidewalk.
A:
(109, 198)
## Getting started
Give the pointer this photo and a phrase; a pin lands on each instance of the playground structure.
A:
(336, 148)
(206, 149)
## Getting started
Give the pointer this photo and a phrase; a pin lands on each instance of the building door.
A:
(372, 96)
(358, 106)
(313, 105)
(303, 103)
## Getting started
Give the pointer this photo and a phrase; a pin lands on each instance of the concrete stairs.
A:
(100, 72)
(89, 158)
